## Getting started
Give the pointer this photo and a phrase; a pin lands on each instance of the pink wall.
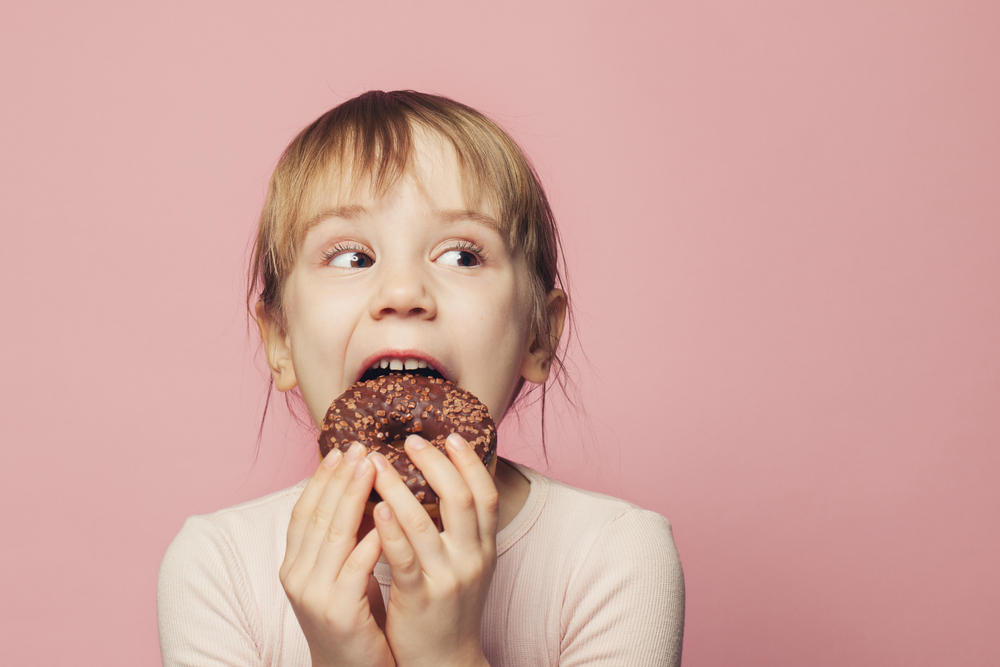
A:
(783, 225)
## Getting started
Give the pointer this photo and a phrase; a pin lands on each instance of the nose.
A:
(403, 292)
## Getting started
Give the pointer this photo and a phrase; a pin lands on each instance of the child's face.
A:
(411, 275)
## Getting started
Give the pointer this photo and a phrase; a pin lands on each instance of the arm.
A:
(625, 603)
(204, 615)
(210, 592)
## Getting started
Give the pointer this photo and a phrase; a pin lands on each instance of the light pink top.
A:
(581, 579)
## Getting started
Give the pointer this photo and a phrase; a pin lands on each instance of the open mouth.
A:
(387, 365)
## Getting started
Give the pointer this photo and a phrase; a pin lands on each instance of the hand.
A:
(439, 580)
(327, 571)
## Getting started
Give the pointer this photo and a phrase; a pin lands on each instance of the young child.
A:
(403, 229)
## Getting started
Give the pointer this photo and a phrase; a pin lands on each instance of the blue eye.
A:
(351, 259)
(462, 258)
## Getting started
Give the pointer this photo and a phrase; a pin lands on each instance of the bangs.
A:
(369, 143)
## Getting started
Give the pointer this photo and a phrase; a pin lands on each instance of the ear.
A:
(277, 348)
(536, 362)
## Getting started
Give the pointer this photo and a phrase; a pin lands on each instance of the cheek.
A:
(320, 320)
(319, 334)
(501, 333)
(503, 317)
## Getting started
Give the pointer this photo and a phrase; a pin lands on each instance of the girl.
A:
(401, 230)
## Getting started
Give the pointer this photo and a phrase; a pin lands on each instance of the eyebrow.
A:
(452, 216)
(352, 212)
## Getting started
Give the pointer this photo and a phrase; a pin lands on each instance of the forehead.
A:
(432, 166)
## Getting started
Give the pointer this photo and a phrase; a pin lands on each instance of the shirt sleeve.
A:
(204, 611)
(625, 604)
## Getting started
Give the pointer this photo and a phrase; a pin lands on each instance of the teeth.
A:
(397, 364)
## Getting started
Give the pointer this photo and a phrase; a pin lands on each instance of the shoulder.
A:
(259, 512)
(218, 582)
(245, 530)
(619, 577)
(596, 535)
(598, 521)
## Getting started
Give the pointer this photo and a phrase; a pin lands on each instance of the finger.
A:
(456, 500)
(406, 572)
(375, 601)
(420, 531)
(352, 584)
(480, 483)
(342, 533)
(319, 523)
(307, 502)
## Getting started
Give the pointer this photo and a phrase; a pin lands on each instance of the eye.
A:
(352, 260)
(348, 258)
(459, 258)
(466, 255)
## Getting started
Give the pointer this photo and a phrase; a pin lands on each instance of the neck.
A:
(513, 488)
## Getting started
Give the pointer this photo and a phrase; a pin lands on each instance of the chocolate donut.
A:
(381, 413)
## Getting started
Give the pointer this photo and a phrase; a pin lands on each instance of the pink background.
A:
(783, 232)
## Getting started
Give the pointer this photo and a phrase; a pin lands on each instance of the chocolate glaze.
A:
(380, 413)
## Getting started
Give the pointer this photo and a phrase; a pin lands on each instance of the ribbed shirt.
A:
(581, 579)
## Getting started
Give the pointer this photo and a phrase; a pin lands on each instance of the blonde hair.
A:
(372, 135)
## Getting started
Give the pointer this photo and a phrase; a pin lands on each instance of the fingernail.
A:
(361, 468)
(384, 512)
(416, 442)
(457, 442)
(378, 461)
(354, 453)
(333, 458)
